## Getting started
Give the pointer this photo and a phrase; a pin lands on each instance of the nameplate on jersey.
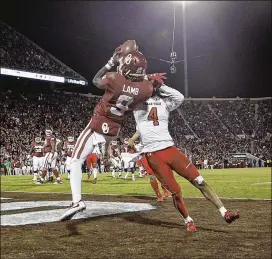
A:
(130, 90)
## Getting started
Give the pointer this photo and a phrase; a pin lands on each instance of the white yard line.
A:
(261, 183)
(148, 196)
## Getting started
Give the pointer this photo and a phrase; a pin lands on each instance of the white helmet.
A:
(126, 141)
(114, 142)
(48, 132)
(38, 139)
(70, 139)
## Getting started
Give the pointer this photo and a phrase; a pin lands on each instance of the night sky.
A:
(235, 36)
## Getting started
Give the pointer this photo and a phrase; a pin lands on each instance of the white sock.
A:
(222, 210)
(113, 173)
(35, 176)
(58, 178)
(133, 177)
(126, 175)
(95, 171)
(75, 180)
(188, 219)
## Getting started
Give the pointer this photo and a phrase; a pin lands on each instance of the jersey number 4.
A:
(153, 116)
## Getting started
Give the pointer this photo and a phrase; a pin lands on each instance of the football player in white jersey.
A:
(163, 157)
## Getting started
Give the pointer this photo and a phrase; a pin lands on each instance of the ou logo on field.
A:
(94, 209)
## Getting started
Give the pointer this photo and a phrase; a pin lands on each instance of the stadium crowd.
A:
(18, 52)
(204, 130)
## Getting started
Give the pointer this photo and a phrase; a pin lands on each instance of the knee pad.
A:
(198, 181)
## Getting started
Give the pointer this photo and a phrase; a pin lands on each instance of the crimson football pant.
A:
(84, 147)
(163, 163)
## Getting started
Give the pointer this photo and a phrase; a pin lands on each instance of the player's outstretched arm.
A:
(99, 75)
(131, 141)
(173, 97)
(97, 80)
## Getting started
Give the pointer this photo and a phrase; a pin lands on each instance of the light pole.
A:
(184, 36)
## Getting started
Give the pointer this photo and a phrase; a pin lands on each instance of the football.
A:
(128, 46)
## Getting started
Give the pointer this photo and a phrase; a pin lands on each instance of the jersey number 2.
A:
(122, 104)
(153, 116)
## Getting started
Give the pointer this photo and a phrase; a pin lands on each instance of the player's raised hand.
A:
(115, 57)
(157, 79)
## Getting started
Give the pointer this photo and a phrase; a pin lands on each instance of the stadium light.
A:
(184, 2)
(184, 37)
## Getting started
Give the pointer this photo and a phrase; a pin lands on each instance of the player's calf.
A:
(56, 173)
(42, 178)
(155, 187)
(210, 195)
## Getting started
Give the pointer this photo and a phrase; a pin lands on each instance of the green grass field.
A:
(233, 183)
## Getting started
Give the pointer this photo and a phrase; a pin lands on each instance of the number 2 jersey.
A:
(120, 97)
(152, 118)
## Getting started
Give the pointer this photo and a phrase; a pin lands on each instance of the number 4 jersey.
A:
(120, 97)
(152, 118)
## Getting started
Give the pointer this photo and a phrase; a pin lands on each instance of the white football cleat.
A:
(74, 209)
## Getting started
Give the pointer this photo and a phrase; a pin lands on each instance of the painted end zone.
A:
(94, 209)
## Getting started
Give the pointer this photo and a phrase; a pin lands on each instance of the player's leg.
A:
(114, 165)
(45, 166)
(35, 168)
(155, 187)
(120, 168)
(68, 166)
(165, 175)
(94, 166)
(55, 168)
(126, 165)
(152, 178)
(89, 166)
(83, 148)
(132, 170)
(182, 165)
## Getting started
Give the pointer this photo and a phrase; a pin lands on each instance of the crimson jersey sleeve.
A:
(113, 82)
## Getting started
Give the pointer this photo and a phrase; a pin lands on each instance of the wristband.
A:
(108, 66)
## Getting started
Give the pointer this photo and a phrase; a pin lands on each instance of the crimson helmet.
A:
(133, 66)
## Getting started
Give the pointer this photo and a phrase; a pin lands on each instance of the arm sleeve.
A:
(100, 80)
(172, 97)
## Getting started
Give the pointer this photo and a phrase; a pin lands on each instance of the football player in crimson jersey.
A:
(163, 157)
(68, 148)
(37, 153)
(123, 91)
(128, 166)
(50, 157)
(115, 158)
